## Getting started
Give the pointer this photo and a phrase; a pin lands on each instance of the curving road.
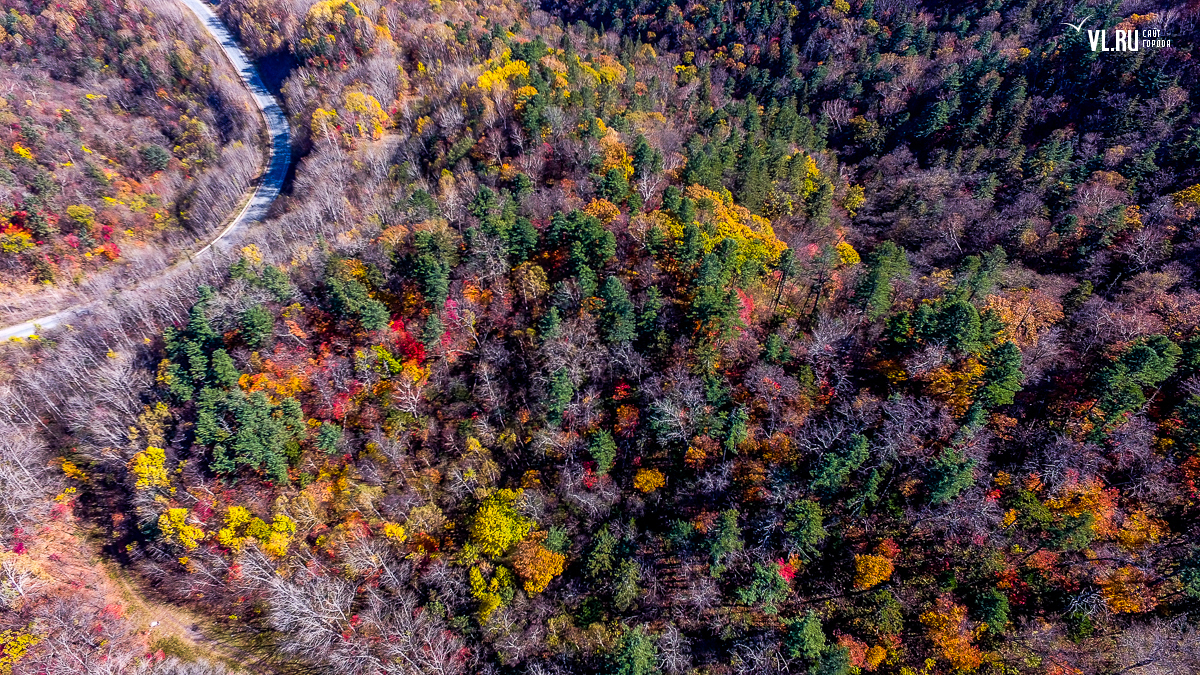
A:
(260, 201)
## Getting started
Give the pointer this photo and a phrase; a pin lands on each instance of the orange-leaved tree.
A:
(947, 626)
(537, 565)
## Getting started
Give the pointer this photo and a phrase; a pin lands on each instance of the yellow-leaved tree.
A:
(648, 480)
(365, 113)
(871, 570)
(240, 526)
(721, 219)
(1126, 590)
(1026, 314)
(497, 526)
(501, 70)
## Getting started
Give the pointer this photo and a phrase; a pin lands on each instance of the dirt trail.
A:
(192, 630)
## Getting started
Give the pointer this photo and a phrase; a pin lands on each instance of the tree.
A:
(536, 564)
(617, 318)
(328, 437)
(724, 537)
(156, 157)
(626, 590)
(350, 300)
(433, 278)
(276, 281)
(562, 391)
(767, 588)
(1002, 376)
(149, 469)
(947, 627)
(646, 160)
(832, 474)
(258, 325)
(958, 326)
(803, 637)
(603, 449)
(583, 237)
(602, 559)
(950, 474)
(174, 526)
(886, 263)
(263, 431)
(649, 332)
(714, 305)
(434, 330)
(804, 525)
(978, 275)
(496, 526)
(1147, 363)
(738, 430)
(614, 186)
(835, 660)
(871, 570)
(635, 653)
(522, 240)
(224, 372)
(648, 480)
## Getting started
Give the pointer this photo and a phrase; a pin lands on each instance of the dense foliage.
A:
(121, 127)
(716, 338)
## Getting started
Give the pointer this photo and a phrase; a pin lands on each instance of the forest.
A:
(126, 138)
(627, 337)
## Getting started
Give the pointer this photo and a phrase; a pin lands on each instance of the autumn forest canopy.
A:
(624, 337)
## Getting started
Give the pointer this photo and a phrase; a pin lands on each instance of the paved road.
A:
(259, 203)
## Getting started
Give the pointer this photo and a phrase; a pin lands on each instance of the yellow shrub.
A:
(323, 122)
(368, 116)
(956, 385)
(174, 527)
(14, 645)
(488, 592)
(615, 156)
(502, 71)
(1187, 196)
(70, 470)
(603, 209)
(395, 532)
(1126, 591)
(84, 215)
(948, 628)
(855, 197)
(22, 152)
(522, 95)
(14, 240)
(149, 466)
(227, 536)
(847, 256)
(1139, 530)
